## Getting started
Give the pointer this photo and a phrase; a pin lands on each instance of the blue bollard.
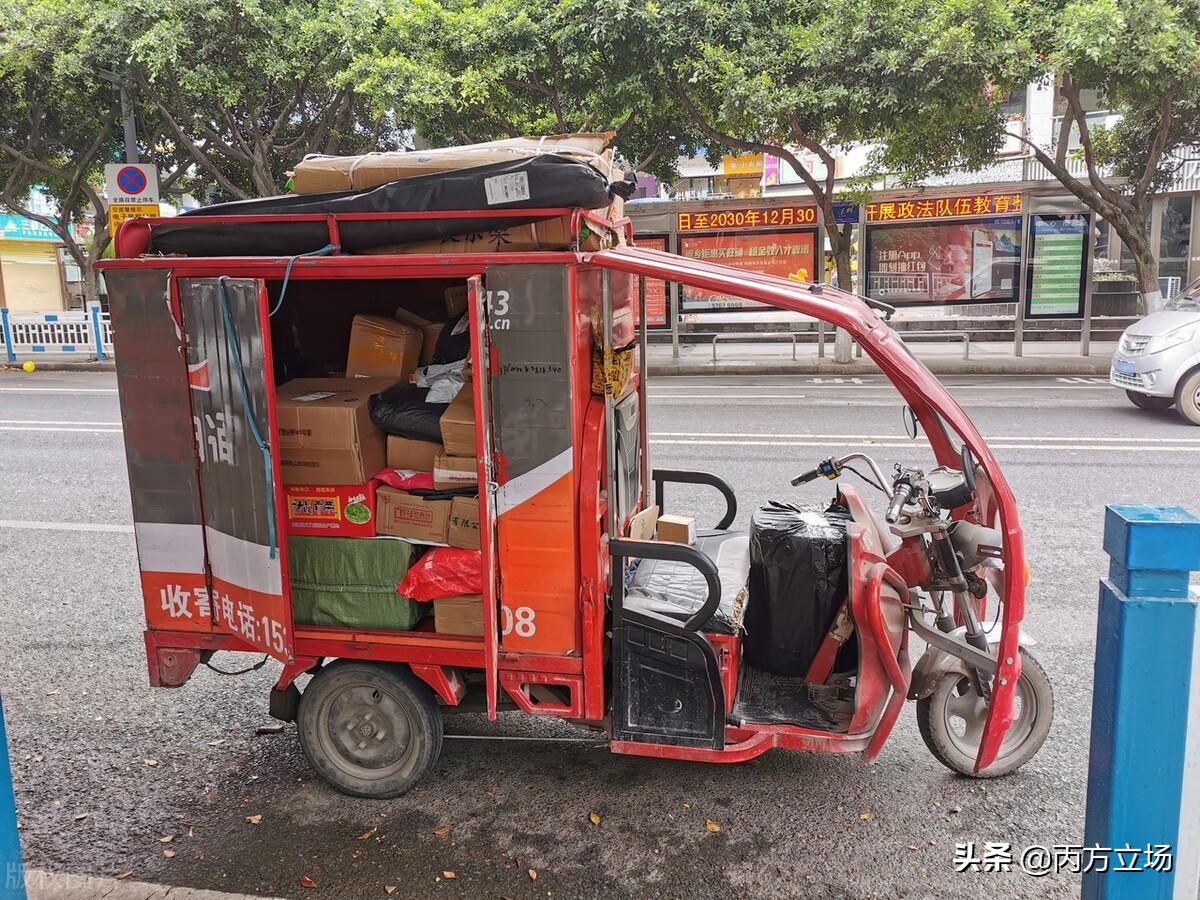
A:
(97, 337)
(12, 871)
(6, 330)
(1143, 797)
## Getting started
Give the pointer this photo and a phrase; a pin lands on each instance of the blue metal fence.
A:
(36, 335)
(1143, 800)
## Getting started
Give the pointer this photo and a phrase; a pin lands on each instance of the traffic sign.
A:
(119, 212)
(129, 183)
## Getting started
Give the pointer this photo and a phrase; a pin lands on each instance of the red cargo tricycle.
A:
(792, 635)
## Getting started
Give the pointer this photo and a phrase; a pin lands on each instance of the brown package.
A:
(464, 523)
(401, 514)
(430, 332)
(406, 453)
(451, 472)
(326, 435)
(459, 615)
(458, 424)
(549, 234)
(350, 173)
(382, 347)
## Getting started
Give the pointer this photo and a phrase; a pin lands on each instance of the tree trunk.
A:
(1147, 273)
(91, 287)
(840, 244)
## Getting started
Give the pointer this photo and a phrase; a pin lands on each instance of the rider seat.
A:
(676, 590)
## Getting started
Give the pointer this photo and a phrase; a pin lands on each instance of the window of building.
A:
(1174, 243)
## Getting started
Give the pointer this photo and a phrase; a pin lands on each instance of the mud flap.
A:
(667, 685)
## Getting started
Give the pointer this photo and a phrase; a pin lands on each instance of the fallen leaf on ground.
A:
(167, 839)
(169, 854)
(594, 817)
(712, 826)
(911, 847)
(445, 829)
(448, 875)
(217, 743)
(533, 874)
(366, 836)
(81, 817)
(150, 762)
(270, 729)
(866, 816)
(307, 882)
(687, 806)
(254, 820)
(191, 831)
(389, 889)
(124, 875)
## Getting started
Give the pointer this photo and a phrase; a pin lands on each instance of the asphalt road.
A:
(106, 767)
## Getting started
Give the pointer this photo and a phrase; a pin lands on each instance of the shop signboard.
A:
(744, 164)
(1057, 265)
(941, 263)
(746, 218)
(781, 254)
(918, 208)
(18, 228)
(656, 288)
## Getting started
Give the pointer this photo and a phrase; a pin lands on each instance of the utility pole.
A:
(130, 124)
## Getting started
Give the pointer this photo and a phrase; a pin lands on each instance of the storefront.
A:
(31, 278)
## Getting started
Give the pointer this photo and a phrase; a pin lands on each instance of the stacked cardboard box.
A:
(382, 347)
(326, 436)
(456, 466)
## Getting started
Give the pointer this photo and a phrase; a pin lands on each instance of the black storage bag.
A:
(798, 579)
(401, 410)
(540, 182)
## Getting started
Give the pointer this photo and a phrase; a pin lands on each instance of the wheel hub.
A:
(366, 728)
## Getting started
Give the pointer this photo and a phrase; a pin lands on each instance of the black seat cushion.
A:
(676, 590)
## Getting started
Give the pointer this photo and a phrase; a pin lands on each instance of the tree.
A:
(245, 89)
(1143, 60)
(478, 70)
(58, 125)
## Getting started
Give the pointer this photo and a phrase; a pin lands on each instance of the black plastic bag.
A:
(798, 579)
(454, 343)
(540, 182)
(401, 410)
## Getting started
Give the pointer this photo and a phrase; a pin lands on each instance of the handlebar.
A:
(811, 475)
(903, 492)
(828, 468)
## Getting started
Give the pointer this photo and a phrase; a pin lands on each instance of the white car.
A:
(1158, 359)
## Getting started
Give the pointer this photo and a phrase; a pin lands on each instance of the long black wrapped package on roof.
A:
(798, 579)
(541, 182)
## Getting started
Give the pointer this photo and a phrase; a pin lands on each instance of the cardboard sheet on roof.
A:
(326, 435)
(549, 234)
(317, 173)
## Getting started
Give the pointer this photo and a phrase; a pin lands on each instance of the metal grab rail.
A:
(755, 335)
(624, 548)
(683, 476)
(931, 334)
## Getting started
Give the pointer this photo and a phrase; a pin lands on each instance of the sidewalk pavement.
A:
(775, 358)
(942, 358)
(42, 885)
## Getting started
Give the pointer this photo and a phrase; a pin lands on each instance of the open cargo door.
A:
(481, 353)
(225, 323)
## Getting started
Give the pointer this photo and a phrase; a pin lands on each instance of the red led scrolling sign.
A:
(944, 207)
(773, 217)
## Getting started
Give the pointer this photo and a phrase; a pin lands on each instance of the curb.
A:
(54, 886)
(1013, 366)
(61, 366)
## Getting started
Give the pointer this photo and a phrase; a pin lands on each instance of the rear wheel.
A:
(1145, 401)
(1187, 398)
(951, 721)
(370, 730)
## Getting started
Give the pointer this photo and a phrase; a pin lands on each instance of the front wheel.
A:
(1187, 398)
(951, 721)
(1145, 401)
(370, 730)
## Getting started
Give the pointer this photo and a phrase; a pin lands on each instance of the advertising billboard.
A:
(781, 253)
(656, 288)
(945, 262)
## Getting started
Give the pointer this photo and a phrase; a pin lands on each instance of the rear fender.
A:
(935, 663)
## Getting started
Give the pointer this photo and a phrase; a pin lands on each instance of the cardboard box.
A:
(677, 529)
(458, 424)
(401, 514)
(383, 347)
(459, 615)
(549, 234)
(456, 301)
(318, 173)
(464, 523)
(405, 453)
(331, 510)
(430, 332)
(326, 435)
(641, 526)
(455, 471)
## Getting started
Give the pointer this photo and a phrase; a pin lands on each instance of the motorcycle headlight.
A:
(1180, 335)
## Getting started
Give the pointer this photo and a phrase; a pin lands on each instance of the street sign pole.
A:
(12, 870)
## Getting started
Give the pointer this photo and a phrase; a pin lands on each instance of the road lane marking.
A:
(66, 526)
(52, 422)
(61, 430)
(46, 390)
(870, 437)
(921, 445)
